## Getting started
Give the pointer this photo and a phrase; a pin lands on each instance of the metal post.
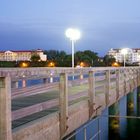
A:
(5, 109)
(72, 46)
(85, 134)
(98, 128)
(63, 98)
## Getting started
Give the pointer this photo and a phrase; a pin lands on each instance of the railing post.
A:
(45, 80)
(91, 92)
(117, 84)
(138, 76)
(5, 108)
(131, 77)
(137, 73)
(15, 84)
(24, 82)
(135, 78)
(125, 81)
(63, 98)
(107, 93)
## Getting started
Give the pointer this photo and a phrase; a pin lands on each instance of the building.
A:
(23, 55)
(132, 55)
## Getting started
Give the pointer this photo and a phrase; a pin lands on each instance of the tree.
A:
(67, 62)
(59, 57)
(52, 54)
(93, 57)
(88, 57)
(109, 59)
(35, 57)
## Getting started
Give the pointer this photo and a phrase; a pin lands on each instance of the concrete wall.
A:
(47, 128)
(78, 115)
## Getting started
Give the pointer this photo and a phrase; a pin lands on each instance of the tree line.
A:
(57, 58)
(85, 58)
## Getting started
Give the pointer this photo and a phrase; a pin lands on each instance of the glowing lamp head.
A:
(124, 51)
(73, 34)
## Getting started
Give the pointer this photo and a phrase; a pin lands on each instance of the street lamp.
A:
(73, 34)
(124, 52)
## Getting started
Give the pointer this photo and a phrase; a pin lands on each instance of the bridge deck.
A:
(76, 100)
(51, 95)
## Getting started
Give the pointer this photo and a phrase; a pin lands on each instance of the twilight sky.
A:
(105, 24)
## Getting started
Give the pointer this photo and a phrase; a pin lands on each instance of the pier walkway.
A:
(50, 103)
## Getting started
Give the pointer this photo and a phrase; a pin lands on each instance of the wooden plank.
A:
(63, 100)
(38, 89)
(107, 92)
(33, 90)
(100, 78)
(5, 108)
(125, 76)
(91, 92)
(138, 76)
(26, 111)
(117, 84)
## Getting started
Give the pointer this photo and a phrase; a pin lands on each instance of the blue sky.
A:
(105, 24)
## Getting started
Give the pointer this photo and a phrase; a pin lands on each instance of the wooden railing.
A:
(101, 87)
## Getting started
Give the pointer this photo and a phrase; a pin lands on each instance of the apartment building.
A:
(22, 55)
(132, 55)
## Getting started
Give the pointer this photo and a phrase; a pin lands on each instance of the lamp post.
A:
(124, 52)
(73, 35)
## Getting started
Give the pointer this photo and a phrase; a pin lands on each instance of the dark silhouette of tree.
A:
(52, 54)
(87, 56)
(61, 59)
(109, 59)
(35, 57)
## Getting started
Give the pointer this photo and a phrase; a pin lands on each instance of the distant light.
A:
(82, 64)
(124, 51)
(24, 64)
(73, 34)
(51, 64)
(115, 64)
